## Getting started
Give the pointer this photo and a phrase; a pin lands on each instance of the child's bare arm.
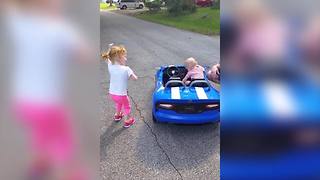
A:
(186, 77)
(184, 80)
(134, 77)
(131, 74)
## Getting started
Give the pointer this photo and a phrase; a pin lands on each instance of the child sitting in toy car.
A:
(214, 73)
(195, 71)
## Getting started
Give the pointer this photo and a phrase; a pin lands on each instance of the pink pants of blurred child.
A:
(49, 129)
(121, 101)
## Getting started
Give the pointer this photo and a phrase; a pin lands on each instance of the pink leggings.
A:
(49, 129)
(121, 101)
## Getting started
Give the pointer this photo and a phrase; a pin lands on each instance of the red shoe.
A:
(129, 122)
(118, 117)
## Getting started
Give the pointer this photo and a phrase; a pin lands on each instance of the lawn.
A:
(105, 6)
(205, 20)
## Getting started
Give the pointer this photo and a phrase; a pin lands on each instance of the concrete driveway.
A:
(148, 150)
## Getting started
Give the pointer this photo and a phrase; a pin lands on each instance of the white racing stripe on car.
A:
(201, 93)
(278, 99)
(175, 93)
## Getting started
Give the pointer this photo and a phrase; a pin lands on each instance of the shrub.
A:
(189, 6)
(178, 7)
(216, 4)
(153, 6)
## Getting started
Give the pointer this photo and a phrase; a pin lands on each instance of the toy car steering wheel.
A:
(173, 71)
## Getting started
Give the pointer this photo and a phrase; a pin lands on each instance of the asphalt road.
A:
(148, 150)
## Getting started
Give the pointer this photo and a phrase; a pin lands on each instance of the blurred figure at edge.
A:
(43, 45)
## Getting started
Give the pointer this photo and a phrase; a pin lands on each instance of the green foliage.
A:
(154, 6)
(204, 20)
(105, 6)
(189, 6)
(216, 4)
(179, 7)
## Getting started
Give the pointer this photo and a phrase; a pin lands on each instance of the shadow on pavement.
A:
(185, 146)
(108, 138)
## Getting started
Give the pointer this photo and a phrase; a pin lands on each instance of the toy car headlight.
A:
(212, 106)
(165, 106)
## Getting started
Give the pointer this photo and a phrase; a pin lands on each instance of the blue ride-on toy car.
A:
(176, 102)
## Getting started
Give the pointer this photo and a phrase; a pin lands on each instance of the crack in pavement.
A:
(154, 134)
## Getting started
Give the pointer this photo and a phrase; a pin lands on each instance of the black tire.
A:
(124, 7)
(216, 124)
(140, 6)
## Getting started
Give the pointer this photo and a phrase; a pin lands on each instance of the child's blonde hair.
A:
(113, 53)
(191, 61)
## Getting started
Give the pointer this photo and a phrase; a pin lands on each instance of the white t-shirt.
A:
(42, 49)
(119, 76)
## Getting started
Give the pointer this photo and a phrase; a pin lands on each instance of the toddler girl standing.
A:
(119, 76)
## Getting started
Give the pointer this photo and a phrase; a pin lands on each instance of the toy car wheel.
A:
(140, 6)
(124, 7)
(154, 119)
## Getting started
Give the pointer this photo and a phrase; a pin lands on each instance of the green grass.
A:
(204, 20)
(105, 6)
